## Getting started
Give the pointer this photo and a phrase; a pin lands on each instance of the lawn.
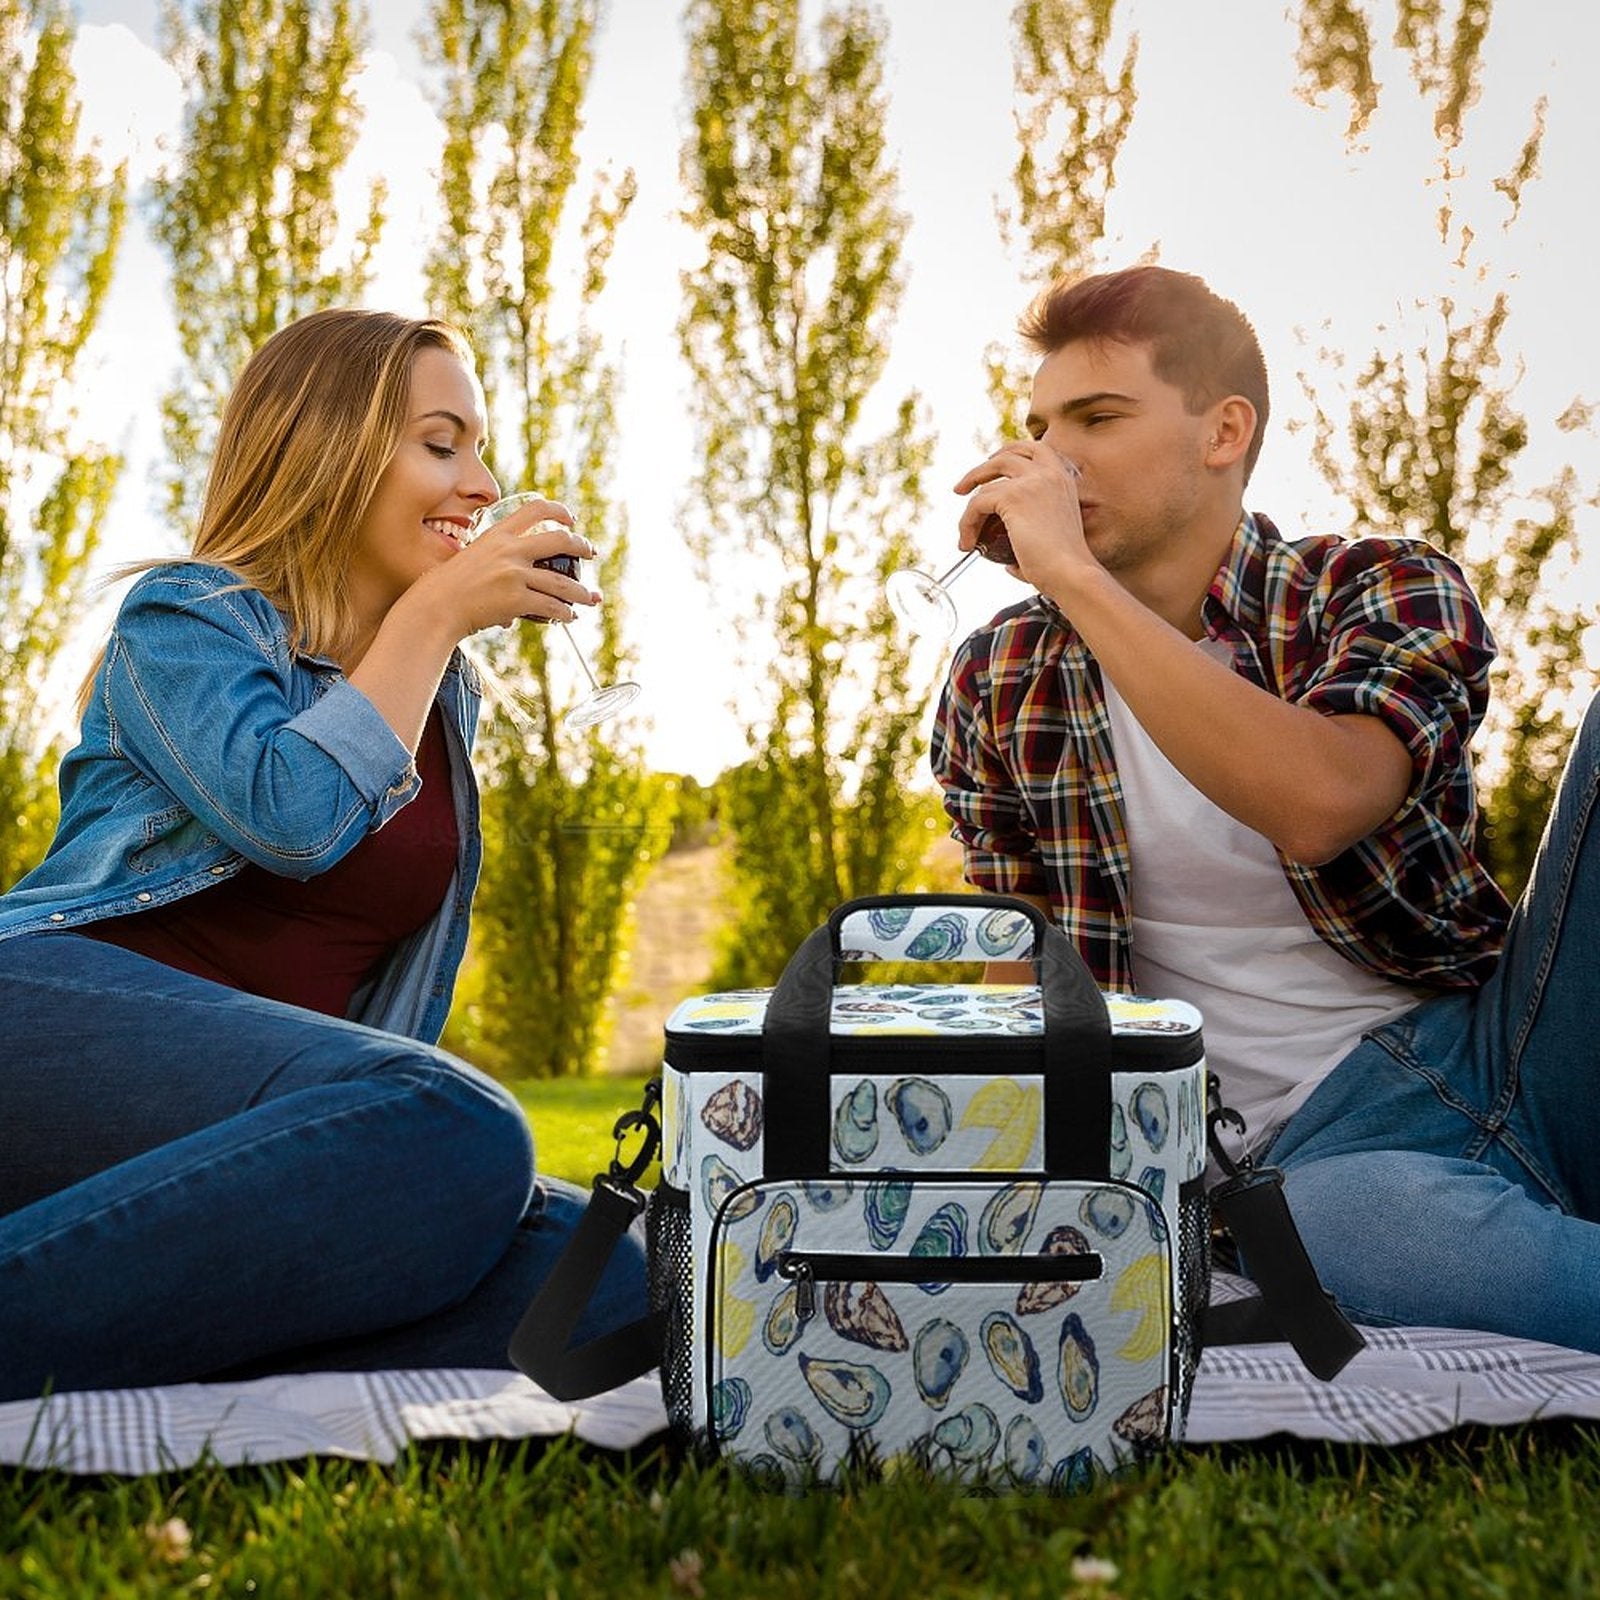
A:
(1501, 1514)
(572, 1120)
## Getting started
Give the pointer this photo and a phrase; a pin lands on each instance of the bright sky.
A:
(1225, 170)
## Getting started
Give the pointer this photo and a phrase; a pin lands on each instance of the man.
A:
(1235, 770)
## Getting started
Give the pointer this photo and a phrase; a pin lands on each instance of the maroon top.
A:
(314, 943)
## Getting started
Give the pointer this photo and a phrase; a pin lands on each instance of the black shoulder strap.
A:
(542, 1344)
(1292, 1304)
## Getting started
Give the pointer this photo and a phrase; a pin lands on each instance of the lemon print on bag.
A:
(736, 1316)
(1143, 1288)
(1013, 1110)
(716, 1010)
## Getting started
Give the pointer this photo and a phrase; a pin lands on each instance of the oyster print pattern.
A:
(855, 1123)
(1056, 1396)
(733, 1114)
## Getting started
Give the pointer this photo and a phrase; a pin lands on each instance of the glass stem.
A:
(577, 650)
(944, 580)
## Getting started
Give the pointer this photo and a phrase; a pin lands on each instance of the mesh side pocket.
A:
(671, 1267)
(1194, 1293)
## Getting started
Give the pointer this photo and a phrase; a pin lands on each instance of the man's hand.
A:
(1033, 490)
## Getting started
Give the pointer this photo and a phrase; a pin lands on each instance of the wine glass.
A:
(603, 700)
(923, 602)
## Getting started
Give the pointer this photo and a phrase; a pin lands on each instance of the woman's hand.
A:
(497, 580)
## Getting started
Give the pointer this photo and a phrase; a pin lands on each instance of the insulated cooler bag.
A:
(961, 1224)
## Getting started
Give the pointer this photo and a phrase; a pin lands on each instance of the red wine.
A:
(994, 544)
(567, 566)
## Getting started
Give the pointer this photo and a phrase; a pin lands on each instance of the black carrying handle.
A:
(1075, 1048)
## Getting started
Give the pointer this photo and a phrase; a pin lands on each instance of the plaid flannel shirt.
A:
(1385, 627)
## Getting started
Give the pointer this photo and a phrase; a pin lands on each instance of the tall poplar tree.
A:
(1075, 96)
(248, 211)
(61, 218)
(785, 329)
(1426, 440)
(571, 821)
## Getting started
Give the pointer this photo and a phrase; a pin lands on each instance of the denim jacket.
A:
(208, 743)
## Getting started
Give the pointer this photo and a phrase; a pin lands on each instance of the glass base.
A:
(601, 705)
(922, 603)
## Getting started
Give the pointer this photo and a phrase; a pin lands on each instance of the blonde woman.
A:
(229, 1142)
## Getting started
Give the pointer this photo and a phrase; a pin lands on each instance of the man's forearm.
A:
(1312, 784)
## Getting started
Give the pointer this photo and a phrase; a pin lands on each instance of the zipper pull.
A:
(798, 1271)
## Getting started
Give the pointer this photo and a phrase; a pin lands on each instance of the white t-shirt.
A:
(1216, 923)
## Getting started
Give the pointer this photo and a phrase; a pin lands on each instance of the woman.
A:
(228, 1141)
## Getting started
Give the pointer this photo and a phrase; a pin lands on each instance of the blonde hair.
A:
(314, 419)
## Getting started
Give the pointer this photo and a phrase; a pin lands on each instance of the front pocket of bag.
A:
(1018, 1331)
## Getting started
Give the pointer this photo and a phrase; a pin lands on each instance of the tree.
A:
(1335, 56)
(785, 331)
(61, 219)
(249, 212)
(1067, 149)
(571, 821)
(1430, 434)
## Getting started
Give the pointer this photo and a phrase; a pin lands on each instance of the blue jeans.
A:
(1447, 1171)
(195, 1182)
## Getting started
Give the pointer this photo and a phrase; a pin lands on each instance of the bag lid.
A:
(947, 1010)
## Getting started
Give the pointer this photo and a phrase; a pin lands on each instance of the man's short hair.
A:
(1200, 343)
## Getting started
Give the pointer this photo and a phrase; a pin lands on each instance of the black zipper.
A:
(807, 1268)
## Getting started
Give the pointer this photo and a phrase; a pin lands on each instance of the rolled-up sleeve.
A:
(989, 816)
(1405, 642)
(197, 686)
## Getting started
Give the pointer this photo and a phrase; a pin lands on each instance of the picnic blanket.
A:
(1409, 1383)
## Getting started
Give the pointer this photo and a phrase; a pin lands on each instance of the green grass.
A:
(1508, 1514)
(572, 1121)
(1483, 1514)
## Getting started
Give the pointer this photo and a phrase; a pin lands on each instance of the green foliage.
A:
(28, 808)
(1427, 446)
(1335, 55)
(247, 212)
(695, 815)
(572, 822)
(1433, 435)
(1067, 148)
(1446, 70)
(785, 330)
(61, 220)
(553, 918)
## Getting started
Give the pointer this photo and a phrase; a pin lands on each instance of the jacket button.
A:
(142, 896)
(58, 916)
(216, 872)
